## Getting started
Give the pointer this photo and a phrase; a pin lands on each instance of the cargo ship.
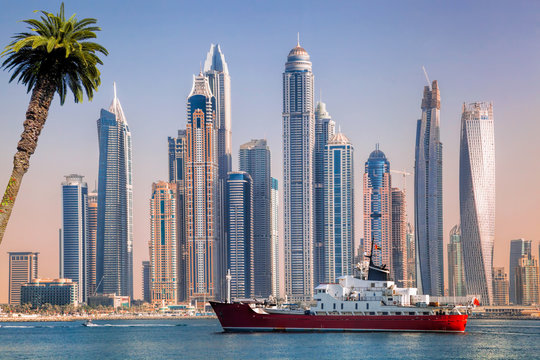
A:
(372, 303)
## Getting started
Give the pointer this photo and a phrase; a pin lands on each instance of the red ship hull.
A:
(241, 317)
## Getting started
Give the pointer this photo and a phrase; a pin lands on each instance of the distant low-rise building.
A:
(111, 300)
(49, 291)
(23, 267)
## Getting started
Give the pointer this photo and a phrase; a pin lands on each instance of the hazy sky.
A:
(367, 58)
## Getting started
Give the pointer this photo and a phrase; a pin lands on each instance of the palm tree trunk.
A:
(36, 115)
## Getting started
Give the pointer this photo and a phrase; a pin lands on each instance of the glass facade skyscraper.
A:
(518, 249)
(204, 251)
(163, 252)
(239, 225)
(428, 198)
(378, 208)
(398, 270)
(114, 246)
(339, 207)
(274, 231)
(298, 158)
(456, 271)
(477, 197)
(75, 233)
(324, 130)
(255, 160)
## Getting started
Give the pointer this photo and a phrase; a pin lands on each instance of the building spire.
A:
(298, 39)
(114, 89)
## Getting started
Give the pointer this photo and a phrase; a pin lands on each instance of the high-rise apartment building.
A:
(274, 236)
(518, 249)
(527, 281)
(204, 253)
(74, 246)
(163, 252)
(114, 247)
(500, 286)
(240, 234)
(177, 175)
(456, 270)
(255, 160)
(324, 131)
(23, 267)
(477, 197)
(378, 208)
(216, 72)
(411, 257)
(91, 244)
(298, 158)
(428, 198)
(399, 238)
(146, 281)
(339, 207)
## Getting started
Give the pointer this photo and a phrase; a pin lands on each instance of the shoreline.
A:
(53, 318)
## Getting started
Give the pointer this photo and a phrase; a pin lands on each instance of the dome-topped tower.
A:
(298, 59)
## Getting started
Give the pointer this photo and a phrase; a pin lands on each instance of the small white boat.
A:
(89, 323)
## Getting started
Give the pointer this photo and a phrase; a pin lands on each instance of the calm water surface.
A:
(204, 339)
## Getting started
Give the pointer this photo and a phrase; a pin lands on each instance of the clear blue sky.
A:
(367, 58)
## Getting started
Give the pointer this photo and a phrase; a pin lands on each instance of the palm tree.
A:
(54, 56)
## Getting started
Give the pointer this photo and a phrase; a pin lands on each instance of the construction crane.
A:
(404, 174)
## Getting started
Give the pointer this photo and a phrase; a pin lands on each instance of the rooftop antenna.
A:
(427, 77)
(298, 38)
(377, 146)
(200, 67)
(114, 89)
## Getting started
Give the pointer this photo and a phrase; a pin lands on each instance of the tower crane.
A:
(404, 174)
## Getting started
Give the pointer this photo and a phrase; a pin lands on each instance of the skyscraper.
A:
(339, 207)
(399, 238)
(204, 252)
(456, 271)
(477, 197)
(428, 198)
(91, 244)
(146, 281)
(274, 231)
(500, 286)
(255, 160)
(75, 233)
(177, 175)
(411, 257)
(239, 225)
(527, 281)
(378, 208)
(518, 248)
(216, 72)
(324, 131)
(298, 147)
(23, 267)
(114, 247)
(163, 252)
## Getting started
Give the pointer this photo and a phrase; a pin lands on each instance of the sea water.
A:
(204, 339)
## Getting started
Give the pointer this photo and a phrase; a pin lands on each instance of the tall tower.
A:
(91, 243)
(298, 157)
(399, 237)
(23, 267)
(324, 131)
(500, 287)
(527, 281)
(428, 199)
(456, 271)
(146, 281)
(339, 207)
(204, 251)
(518, 248)
(411, 257)
(177, 175)
(378, 208)
(477, 197)
(114, 270)
(163, 252)
(255, 160)
(240, 245)
(274, 231)
(75, 233)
